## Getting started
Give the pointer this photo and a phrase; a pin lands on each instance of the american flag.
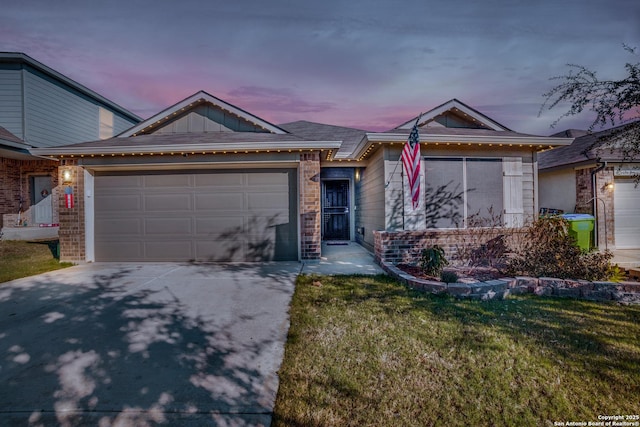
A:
(411, 164)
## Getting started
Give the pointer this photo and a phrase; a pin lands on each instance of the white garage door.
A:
(199, 216)
(626, 207)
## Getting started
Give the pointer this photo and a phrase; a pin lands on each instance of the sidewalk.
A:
(627, 257)
(342, 258)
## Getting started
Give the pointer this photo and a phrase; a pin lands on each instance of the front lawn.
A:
(21, 259)
(367, 351)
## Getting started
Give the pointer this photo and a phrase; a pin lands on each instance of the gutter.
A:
(198, 147)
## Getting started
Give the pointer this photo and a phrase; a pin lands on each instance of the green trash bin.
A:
(580, 227)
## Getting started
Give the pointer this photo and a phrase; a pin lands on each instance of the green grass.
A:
(366, 351)
(21, 259)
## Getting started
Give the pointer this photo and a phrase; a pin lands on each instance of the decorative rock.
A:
(569, 292)
(458, 289)
(624, 293)
(551, 282)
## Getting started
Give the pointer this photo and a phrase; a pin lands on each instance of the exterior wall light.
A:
(609, 186)
(66, 177)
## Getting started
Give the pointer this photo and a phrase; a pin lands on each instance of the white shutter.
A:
(512, 189)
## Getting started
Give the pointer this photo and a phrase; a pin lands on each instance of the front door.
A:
(335, 210)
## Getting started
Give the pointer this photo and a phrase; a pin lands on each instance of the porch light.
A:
(66, 177)
(608, 186)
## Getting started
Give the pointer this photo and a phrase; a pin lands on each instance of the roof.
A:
(21, 58)
(457, 107)
(13, 147)
(168, 114)
(190, 142)
(350, 137)
(6, 136)
(586, 149)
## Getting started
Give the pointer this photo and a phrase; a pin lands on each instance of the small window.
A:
(106, 124)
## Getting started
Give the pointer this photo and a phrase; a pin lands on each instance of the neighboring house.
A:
(205, 180)
(40, 107)
(589, 177)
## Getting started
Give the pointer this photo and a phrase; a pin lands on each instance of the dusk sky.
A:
(366, 64)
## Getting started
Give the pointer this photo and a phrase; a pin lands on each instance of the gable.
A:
(207, 118)
(451, 120)
(201, 113)
(454, 114)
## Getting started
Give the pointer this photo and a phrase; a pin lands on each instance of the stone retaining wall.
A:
(625, 292)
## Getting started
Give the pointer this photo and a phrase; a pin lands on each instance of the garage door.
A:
(201, 216)
(627, 214)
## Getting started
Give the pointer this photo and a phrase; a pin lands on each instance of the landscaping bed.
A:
(492, 287)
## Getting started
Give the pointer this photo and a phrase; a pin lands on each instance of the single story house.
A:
(590, 177)
(41, 108)
(204, 180)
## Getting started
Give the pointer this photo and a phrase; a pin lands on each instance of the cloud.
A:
(272, 102)
(370, 64)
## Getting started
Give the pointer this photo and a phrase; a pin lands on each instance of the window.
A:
(462, 189)
(106, 124)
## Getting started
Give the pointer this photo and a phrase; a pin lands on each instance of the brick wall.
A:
(605, 217)
(72, 227)
(310, 240)
(396, 247)
(605, 222)
(14, 182)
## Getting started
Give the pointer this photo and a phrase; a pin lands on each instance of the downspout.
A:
(601, 166)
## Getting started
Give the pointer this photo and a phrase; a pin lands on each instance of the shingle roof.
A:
(350, 137)
(587, 148)
(8, 136)
(177, 139)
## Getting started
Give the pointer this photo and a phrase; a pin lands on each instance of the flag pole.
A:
(400, 158)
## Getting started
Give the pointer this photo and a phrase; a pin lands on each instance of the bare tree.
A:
(614, 102)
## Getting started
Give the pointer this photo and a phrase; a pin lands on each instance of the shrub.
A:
(433, 260)
(449, 277)
(547, 249)
(485, 242)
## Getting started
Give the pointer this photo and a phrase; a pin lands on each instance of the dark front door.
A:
(335, 211)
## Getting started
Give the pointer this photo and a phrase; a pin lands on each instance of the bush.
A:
(485, 242)
(449, 277)
(433, 260)
(548, 250)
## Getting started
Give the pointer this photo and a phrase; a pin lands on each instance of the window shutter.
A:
(512, 190)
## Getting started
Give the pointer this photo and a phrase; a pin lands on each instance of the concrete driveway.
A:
(144, 344)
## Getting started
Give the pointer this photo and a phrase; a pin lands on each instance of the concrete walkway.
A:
(131, 344)
(627, 257)
(343, 258)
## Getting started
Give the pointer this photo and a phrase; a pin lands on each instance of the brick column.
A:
(604, 202)
(605, 208)
(72, 227)
(310, 205)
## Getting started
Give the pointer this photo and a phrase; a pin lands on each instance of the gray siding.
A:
(394, 206)
(207, 118)
(528, 189)
(46, 113)
(55, 116)
(558, 189)
(120, 124)
(11, 100)
(369, 200)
